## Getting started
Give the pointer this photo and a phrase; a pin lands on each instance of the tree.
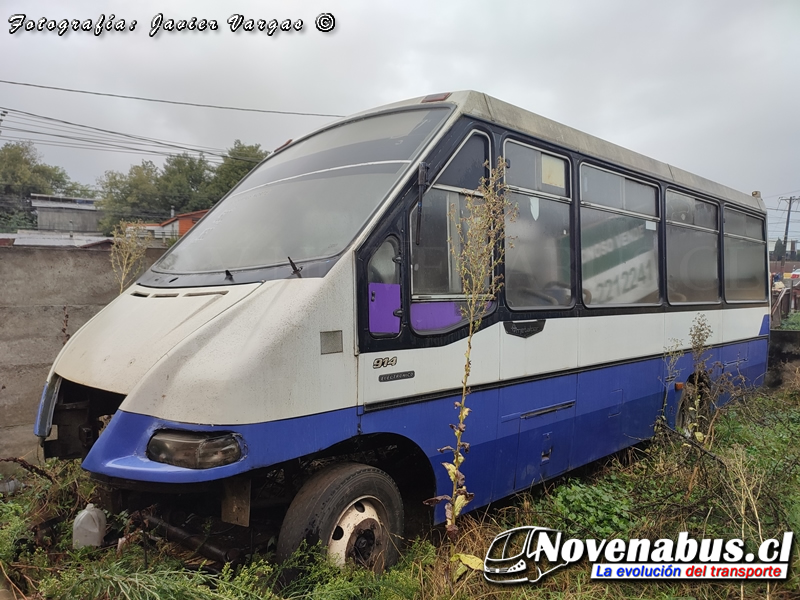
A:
(74, 189)
(779, 249)
(239, 162)
(131, 196)
(183, 183)
(22, 173)
(12, 220)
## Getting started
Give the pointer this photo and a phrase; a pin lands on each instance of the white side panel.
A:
(554, 348)
(563, 344)
(679, 324)
(619, 337)
(434, 368)
(743, 323)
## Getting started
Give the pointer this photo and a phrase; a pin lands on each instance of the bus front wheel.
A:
(354, 510)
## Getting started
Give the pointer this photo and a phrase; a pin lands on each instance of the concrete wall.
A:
(36, 284)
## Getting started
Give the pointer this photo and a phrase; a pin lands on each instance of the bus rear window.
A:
(745, 257)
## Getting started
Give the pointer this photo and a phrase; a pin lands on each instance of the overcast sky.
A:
(710, 86)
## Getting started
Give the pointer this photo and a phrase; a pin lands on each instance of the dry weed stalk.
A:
(745, 481)
(128, 252)
(704, 392)
(478, 251)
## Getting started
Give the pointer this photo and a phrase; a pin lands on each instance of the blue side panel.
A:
(122, 449)
(616, 407)
(764, 326)
(745, 361)
(734, 354)
(757, 361)
(543, 413)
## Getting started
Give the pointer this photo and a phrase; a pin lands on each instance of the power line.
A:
(198, 105)
(32, 120)
(211, 161)
(781, 194)
(108, 138)
(138, 138)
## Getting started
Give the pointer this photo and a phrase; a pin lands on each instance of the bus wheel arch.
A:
(353, 509)
(404, 461)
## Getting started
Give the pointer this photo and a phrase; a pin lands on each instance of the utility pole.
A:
(786, 234)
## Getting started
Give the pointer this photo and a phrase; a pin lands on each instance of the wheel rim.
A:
(360, 535)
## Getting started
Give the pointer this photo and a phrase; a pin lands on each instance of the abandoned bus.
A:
(302, 346)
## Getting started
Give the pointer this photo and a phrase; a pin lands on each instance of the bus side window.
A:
(538, 254)
(692, 250)
(384, 288)
(437, 295)
(745, 267)
(619, 239)
(538, 248)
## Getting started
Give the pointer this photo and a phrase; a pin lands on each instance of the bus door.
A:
(414, 312)
(543, 341)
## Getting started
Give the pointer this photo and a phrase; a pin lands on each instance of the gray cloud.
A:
(711, 87)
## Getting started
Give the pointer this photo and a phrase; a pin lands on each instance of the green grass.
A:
(654, 492)
(791, 323)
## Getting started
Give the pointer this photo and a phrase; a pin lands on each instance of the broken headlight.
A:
(194, 450)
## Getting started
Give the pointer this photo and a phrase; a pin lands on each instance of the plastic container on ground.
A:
(89, 527)
(10, 486)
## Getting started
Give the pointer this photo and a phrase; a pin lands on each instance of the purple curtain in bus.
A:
(384, 299)
(433, 316)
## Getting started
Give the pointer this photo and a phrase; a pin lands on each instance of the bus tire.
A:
(687, 418)
(354, 510)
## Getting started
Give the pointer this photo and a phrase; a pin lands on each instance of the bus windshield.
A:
(310, 200)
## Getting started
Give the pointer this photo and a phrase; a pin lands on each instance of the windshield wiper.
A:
(295, 269)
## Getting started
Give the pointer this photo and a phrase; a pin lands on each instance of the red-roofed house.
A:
(176, 226)
(184, 222)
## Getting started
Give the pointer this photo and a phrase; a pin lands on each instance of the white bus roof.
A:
(490, 109)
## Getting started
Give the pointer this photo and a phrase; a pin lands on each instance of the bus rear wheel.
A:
(354, 510)
(687, 418)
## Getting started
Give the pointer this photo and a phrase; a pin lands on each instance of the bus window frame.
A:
(720, 250)
(658, 219)
(763, 242)
(411, 221)
(568, 200)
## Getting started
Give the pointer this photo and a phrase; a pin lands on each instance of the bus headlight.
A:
(194, 450)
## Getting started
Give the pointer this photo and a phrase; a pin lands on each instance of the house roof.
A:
(64, 199)
(198, 213)
(62, 205)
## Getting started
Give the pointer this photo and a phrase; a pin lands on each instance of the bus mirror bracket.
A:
(422, 182)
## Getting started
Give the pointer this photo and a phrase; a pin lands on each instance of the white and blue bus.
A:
(302, 346)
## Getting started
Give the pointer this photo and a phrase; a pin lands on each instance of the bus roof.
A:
(491, 109)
